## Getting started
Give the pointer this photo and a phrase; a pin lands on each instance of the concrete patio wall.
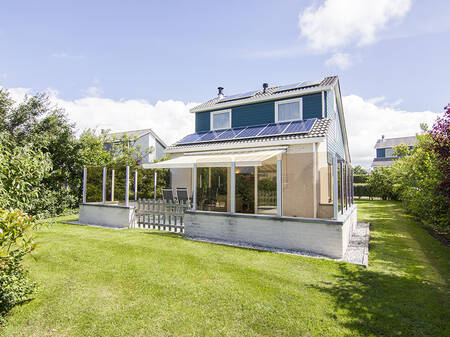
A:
(324, 237)
(107, 215)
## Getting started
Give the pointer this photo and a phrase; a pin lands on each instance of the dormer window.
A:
(288, 110)
(221, 119)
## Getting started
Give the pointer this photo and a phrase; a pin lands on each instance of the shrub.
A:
(362, 190)
(16, 240)
(360, 178)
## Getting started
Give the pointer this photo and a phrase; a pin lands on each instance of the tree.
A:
(358, 170)
(380, 183)
(39, 126)
(416, 179)
(440, 145)
(22, 171)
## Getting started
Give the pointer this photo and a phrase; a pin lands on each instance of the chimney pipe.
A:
(220, 95)
(382, 137)
(265, 86)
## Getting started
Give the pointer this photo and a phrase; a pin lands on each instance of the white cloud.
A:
(94, 91)
(366, 122)
(366, 119)
(340, 60)
(339, 23)
(171, 120)
(65, 55)
(18, 94)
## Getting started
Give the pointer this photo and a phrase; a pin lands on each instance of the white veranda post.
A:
(279, 188)
(112, 185)
(233, 187)
(104, 186)
(127, 185)
(135, 184)
(194, 187)
(84, 184)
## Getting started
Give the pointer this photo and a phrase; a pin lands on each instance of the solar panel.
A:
(251, 131)
(191, 138)
(210, 135)
(238, 96)
(229, 134)
(289, 86)
(271, 129)
(298, 85)
(300, 126)
(274, 129)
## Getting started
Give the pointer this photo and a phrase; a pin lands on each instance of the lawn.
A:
(105, 282)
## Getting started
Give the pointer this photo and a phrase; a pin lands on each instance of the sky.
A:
(143, 64)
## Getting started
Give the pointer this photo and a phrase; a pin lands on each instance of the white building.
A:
(144, 139)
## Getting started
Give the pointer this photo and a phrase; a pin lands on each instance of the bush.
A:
(16, 240)
(360, 178)
(362, 190)
(381, 183)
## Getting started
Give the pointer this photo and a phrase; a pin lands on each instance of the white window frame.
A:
(219, 112)
(299, 99)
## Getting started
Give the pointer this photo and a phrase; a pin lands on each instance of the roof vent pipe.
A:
(265, 86)
(220, 96)
(382, 137)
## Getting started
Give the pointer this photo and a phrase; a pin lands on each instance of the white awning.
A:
(254, 158)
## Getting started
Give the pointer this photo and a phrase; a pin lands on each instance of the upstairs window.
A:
(221, 119)
(389, 152)
(288, 110)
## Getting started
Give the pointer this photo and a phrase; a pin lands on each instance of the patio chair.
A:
(182, 195)
(167, 194)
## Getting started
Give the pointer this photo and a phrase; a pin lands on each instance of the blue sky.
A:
(393, 56)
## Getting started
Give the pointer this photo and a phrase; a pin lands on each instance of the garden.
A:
(67, 280)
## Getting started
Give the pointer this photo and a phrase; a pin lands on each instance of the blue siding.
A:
(261, 113)
(312, 106)
(202, 121)
(335, 142)
(381, 153)
(253, 114)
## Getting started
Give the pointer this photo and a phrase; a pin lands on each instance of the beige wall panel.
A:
(297, 180)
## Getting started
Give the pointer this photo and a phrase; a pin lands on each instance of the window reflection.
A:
(212, 189)
(245, 190)
(267, 189)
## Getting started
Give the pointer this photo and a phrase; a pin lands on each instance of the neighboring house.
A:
(271, 167)
(144, 139)
(385, 149)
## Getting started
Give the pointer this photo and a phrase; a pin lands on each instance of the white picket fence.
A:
(161, 215)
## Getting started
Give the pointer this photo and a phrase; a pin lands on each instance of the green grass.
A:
(104, 282)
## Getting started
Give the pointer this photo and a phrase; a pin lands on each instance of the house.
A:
(385, 149)
(150, 145)
(269, 167)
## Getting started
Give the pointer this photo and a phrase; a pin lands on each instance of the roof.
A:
(136, 134)
(391, 142)
(270, 93)
(319, 129)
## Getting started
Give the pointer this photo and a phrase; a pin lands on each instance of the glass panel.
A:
(119, 183)
(221, 120)
(389, 152)
(340, 186)
(245, 190)
(326, 184)
(94, 184)
(288, 111)
(212, 189)
(267, 190)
